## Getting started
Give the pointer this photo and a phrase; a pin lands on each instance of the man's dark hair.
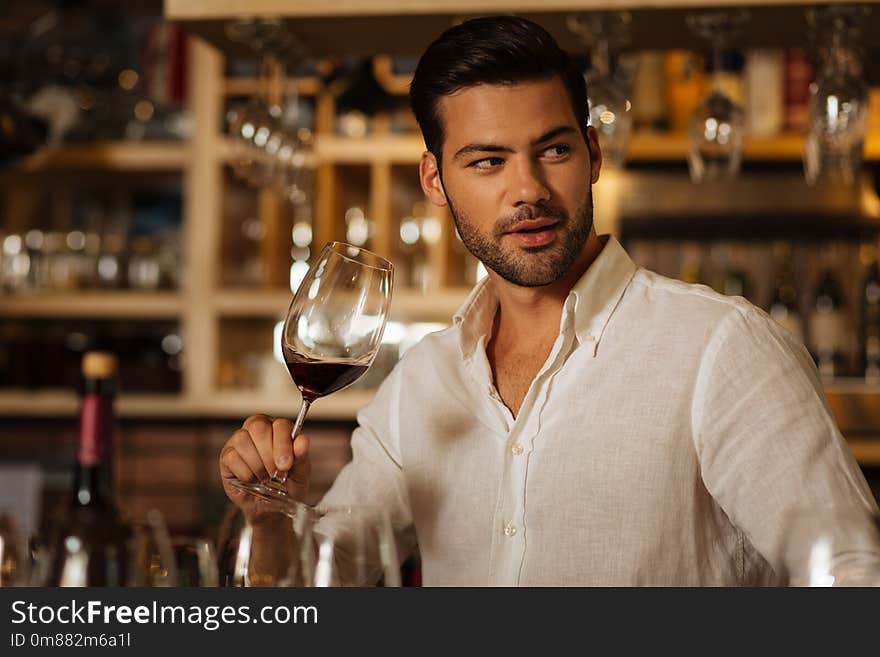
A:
(489, 50)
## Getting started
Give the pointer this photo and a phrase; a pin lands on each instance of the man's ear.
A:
(595, 154)
(429, 176)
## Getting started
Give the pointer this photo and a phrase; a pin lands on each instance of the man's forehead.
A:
(481, 111)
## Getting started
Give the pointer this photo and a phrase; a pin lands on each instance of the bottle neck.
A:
(93, 477)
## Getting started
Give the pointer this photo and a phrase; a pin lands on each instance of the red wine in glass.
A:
(316, 378)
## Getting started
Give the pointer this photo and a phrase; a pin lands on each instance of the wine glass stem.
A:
(281, 477)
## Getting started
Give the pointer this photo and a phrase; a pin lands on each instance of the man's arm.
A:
(765, 437)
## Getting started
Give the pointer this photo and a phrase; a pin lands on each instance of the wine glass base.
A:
(267, 492)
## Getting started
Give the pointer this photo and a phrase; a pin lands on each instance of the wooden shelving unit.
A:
(88, 304)
(203, 305)
(113, 156)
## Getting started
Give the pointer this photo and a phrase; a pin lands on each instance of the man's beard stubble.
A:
(523, 269)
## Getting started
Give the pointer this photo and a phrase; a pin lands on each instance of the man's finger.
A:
(233, 466)
(282, 444)
(244, 445)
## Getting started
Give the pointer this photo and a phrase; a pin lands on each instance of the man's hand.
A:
(262, 447)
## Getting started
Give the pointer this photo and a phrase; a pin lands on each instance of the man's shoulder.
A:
(688, 302)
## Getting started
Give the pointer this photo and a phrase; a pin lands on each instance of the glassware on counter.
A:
(268, 544)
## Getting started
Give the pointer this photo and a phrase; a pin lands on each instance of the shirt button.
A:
(509, 530)
(516, 449)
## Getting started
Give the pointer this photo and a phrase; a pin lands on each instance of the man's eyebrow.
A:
(497, 148)
(555, 132)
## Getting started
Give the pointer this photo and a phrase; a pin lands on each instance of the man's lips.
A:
(532, 225)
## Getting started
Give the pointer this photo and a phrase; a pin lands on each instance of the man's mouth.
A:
(533, 225)
(534, 233)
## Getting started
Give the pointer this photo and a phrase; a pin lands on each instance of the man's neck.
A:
(526, 314)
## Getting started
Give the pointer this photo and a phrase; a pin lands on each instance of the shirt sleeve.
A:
(766, 440)
(373, 477)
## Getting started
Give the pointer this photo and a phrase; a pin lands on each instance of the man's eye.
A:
(557, 150)
(486, 163)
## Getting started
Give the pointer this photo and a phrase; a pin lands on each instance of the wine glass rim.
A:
(339, 248)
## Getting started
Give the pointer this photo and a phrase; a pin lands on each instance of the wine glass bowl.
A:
(716, 138)
(838, 99)
(717, 127)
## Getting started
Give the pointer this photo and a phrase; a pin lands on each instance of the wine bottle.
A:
(784, 304)
(869, 325)
(91, 547)
(735, 281)
(828, 331)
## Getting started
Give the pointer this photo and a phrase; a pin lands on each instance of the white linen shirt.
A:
(661, 443)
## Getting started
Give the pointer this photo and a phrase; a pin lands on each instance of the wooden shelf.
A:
(224, 404)
(116, 156)
(251, 86)
(66, 404)
(111, 305)
(402, 27)
(643, 146)
(647, 146)
(866, 450)
(406, 304)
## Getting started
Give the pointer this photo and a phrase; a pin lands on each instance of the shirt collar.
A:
(592, 300)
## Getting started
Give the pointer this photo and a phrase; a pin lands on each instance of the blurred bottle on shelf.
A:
(648, 95)
(869, 315)
(798, 76)
(784, 304)
(765, 92)
(691, 270)
(685, 83)
(829, 331)
(735, 280)
(729, 78)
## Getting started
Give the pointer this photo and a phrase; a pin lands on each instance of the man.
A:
(583, 421)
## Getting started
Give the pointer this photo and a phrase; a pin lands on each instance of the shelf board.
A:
(404, 27)
(342, 406)
(251, 86)
(866, 450)
(406, 304)
(224, 404)
(111, 155)
(219, 9)
(648, 146)
(643, 146)
(99, 305)
(66, 404)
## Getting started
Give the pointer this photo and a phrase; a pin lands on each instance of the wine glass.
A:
(608, 103)
(354, 546)
(838, 99)
(831, 547)
(272, 546)
(717, 126)
(332, 332)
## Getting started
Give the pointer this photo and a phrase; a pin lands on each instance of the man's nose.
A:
(529, 186)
